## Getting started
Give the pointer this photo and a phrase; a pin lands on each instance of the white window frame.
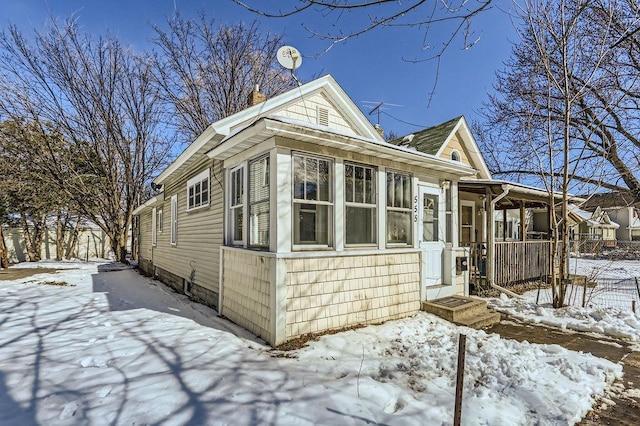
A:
(264, 181)
(174, 220)
(409, 210)
(372, 205)
(154, 228)
(456, 153)
(301, 201)
(196, 182)
(241, 169)
(160, 219)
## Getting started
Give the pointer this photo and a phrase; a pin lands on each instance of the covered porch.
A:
(495, 221)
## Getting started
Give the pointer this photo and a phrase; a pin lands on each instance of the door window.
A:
(430, 217)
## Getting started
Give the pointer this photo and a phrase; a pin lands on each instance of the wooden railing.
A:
(521, 261)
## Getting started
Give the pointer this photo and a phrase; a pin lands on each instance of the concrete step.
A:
(455, 308)
(486, 319)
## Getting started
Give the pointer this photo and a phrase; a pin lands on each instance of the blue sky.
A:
(372, 67)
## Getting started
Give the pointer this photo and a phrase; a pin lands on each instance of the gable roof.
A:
(433, 140)
(608, 200)
(217, 131)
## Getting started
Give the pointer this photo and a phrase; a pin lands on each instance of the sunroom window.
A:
(360, 204)
(312, 200)
(399, 228)
(259, 202)
(237, 205)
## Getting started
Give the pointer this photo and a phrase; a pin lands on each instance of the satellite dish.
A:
(289, 57)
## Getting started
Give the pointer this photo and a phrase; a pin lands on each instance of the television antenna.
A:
(378, 106)
(290, 58)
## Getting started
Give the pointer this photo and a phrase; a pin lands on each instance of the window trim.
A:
(456, 153)
(409, 210)
(174, 220)
(154, 229)
(240, 206)
(331, 204)
(265, 181)
(373, 205)
(205, 175)
(160, 219)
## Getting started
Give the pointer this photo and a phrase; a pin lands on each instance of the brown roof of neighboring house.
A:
(610, 199)
(429, 140)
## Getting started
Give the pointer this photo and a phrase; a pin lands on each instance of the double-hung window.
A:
(259, 202)
(360, 204)
(237, 205)
(160, 221)
(399, 230)
(198, 191)
(312, 200)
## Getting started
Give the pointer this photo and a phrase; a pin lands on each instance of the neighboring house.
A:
(295, 216)
(585, 227)
(500, 254)
(622, 209)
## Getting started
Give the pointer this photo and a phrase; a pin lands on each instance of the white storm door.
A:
(431, 234)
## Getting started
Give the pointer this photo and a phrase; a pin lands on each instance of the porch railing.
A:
(517, 262)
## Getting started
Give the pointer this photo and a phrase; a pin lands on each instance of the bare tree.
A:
(542, 106)
(99, 99)
(206, 72)
(605, 79)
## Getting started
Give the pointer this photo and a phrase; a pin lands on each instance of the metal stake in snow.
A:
(459, 380)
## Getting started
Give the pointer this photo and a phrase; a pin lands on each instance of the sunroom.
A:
(325, 229)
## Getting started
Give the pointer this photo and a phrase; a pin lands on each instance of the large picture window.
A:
(198, 191)
(237, 205)
(360, 204)
(312, 200)
(399, 228)
(259, 202)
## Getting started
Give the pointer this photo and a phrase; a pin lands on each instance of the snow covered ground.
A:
(113, 347)
(608, 310)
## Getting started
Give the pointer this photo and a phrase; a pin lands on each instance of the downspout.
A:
(492, 245)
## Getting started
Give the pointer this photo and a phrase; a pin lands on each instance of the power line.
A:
(404, 122)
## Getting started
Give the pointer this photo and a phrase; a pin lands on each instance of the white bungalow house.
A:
(295, 216)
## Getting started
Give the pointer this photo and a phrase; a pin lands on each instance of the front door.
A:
(431, 235)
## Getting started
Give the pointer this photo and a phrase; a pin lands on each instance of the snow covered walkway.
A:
(117, 348)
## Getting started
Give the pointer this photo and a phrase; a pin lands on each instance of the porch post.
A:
(504, 224)
(523, 231)
(491, 238)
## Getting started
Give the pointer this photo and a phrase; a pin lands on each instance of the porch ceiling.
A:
(518, 193)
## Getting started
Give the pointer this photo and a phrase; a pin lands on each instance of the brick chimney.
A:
(256, 97)
(379, 129)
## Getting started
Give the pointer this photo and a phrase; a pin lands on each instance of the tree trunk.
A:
(74, 240)
(28, 240)
(60, 234)
(4, 253)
